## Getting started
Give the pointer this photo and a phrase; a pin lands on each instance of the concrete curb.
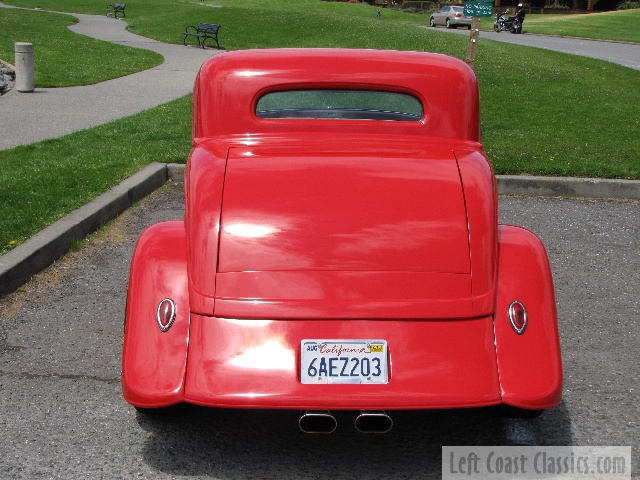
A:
(20, 264)
(568, 187)
(40, 251)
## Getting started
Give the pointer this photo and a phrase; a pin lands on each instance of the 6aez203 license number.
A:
(344, 361)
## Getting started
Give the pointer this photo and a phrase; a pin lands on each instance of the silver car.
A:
(450, 17)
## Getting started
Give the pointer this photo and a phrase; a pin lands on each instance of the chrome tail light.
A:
(166, 314)
(518, 317)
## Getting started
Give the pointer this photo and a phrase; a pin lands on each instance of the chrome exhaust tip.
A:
(317, 422)
(373, 422)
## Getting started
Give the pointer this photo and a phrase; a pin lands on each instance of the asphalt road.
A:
(626, 54)
(62, 414)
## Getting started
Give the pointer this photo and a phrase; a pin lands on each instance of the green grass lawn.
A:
(542, 112)
(44, 181)
(619, 26)
(164, 20)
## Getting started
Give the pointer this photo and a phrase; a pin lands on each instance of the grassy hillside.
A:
(543, 112)
(619, 25)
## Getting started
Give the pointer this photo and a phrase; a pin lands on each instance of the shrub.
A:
(416, 6)
(628, 5)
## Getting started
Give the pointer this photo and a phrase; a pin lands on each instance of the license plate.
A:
(344, 361)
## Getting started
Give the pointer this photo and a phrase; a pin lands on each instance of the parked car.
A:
(450, 17)
(340, 250)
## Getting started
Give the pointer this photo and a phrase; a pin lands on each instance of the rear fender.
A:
(153, 361)
(529, 364)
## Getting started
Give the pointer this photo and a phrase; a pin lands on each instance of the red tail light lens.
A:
(518, 317)
(458, 15)
(166, 314)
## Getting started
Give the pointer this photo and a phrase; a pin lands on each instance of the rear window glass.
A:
(340, 104)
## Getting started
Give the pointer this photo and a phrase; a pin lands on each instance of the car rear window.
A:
(340, 105)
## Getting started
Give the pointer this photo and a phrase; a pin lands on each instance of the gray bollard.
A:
(25, 77)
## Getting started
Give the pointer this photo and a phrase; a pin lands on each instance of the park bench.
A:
(202, 32)
(113, 10)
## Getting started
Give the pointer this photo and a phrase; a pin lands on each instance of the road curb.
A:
(568, 187)
(20, 264)
(40, 251)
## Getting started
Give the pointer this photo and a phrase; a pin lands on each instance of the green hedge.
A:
(628, 5)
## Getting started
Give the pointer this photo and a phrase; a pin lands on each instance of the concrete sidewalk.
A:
(623, 53)
(54, 112)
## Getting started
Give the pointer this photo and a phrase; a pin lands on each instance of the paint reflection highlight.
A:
(250, 230)
(271, 355)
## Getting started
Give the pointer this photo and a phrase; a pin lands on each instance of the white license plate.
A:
(344, 361)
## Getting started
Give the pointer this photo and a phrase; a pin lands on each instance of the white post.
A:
(25, 77)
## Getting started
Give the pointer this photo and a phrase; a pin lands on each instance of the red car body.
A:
(339, 229)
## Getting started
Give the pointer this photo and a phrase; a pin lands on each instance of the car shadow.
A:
(242, 444)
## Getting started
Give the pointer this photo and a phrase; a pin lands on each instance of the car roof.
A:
(229, 86)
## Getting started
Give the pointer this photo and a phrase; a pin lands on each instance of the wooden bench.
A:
(202, 32)
(113, 10)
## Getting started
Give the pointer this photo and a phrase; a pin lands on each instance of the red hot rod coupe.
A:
(340, 249)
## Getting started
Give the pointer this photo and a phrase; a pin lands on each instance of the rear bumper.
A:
(256, 364)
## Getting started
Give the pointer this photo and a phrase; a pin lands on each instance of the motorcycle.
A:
(511, 23)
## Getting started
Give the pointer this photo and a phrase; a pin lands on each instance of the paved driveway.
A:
(627, 54)
(62, 414)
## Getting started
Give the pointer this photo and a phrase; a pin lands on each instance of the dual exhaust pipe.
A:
(325, 422)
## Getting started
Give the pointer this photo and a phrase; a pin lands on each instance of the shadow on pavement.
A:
(242, 444)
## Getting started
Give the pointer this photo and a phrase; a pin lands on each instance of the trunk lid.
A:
(329, 232)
